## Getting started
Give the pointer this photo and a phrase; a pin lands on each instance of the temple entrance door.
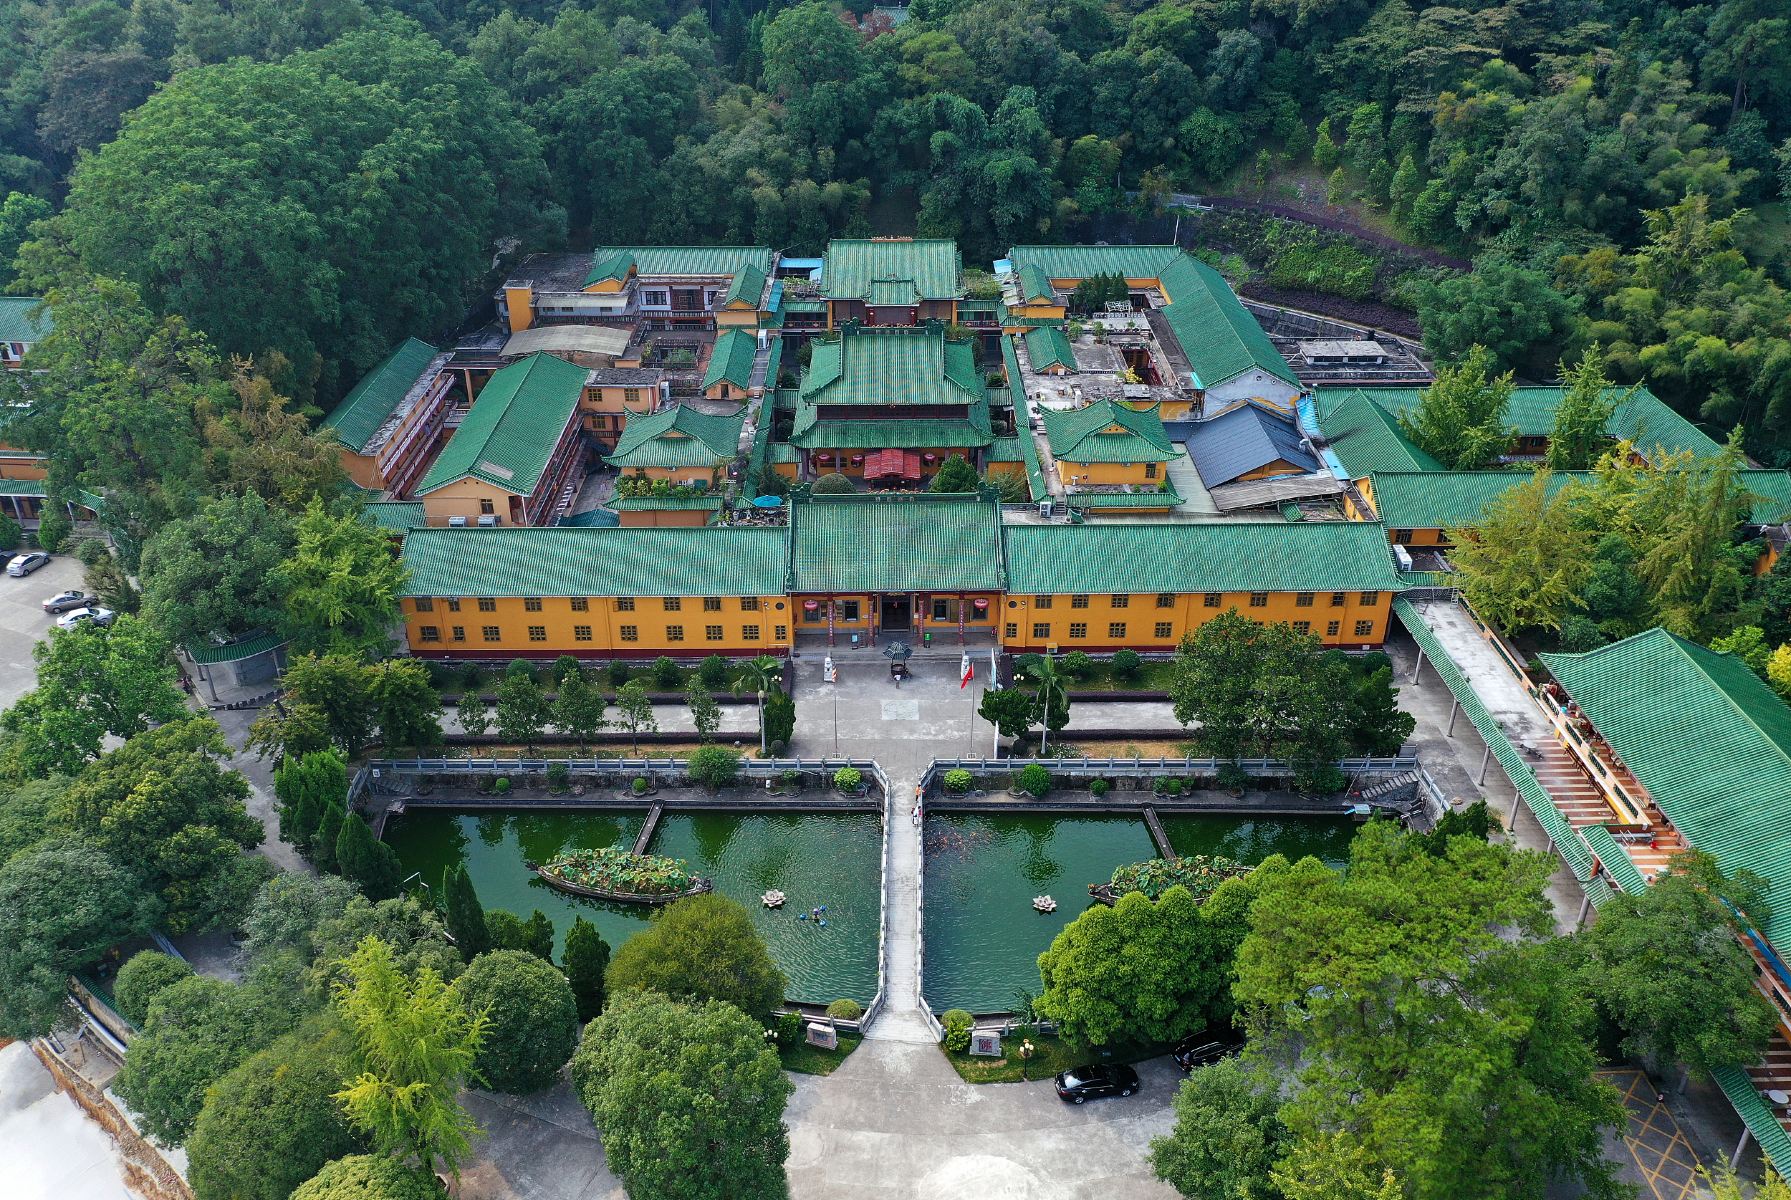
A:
(894, 614)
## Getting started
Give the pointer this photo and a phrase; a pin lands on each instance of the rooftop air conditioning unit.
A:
(488, 520)
(457, 522)
(1045, 510)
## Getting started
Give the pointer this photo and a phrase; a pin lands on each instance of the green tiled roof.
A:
(596, 561)
(930, 265)
(1035, 285)
(509, 434)
(1757, 1115)
(1365, 436)
(24, 319)
(891, 293)
(731, 361)
(1215, 556)
(1616, 860)
(679, 436)
(379, 393)
(1004, 450)
(1217, 333)
(613, 262)
(1080, 435)
(21, 487)
(1707, 738)
(1047, 345)
(1450, 499)
(1644, 418)
(1082, 262)
(1029, 451)
(209, 656)
(895, 542)
(1772, 495)
(747, 286)
(664, 503)
(906, 367)
(1151, 499)
(918, 433)
(395, 516)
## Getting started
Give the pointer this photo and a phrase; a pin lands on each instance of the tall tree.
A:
(578, 708)
(365, 860)
(1526, 563)
(341, 583)
(407, 708)
(304, 786)
(634, 712)
(1579, 436)
(464, 914)
(533, 1019)
(338, 690)
(705, 713)
(585, 959)
(414, 1047)
(213, 572)
(1227, 1134)
(688, 1098)
(522, 709)
(1460, 417)
(701, 948)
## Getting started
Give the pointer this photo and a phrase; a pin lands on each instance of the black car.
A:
(1207, 1046)
(1094, 1081)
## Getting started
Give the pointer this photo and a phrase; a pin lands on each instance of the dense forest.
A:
(320, 178)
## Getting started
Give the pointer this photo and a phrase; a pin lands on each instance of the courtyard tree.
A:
(1580, 434)
(522, 709)
(1460, 417)
(577, 708)
(701, 948)
(1527, 561)
(142, 979)
(634, 712)
(369, 1177)
(337, 687)
(365, 860)
(305, 786)
(413, 1047)
(1010, 710)
(271, 1123)
(341, 583)
(1050, 693)
(533, 1019)
(1227, 1135)
(585, 959)
(213, 572)
(688, 1098)
(705, 713)
(92, 681)
(464, 915)
(406, 707)
(1665, 965)
(759, 676)
(1413, 994)
(955, 475)
(63, 904)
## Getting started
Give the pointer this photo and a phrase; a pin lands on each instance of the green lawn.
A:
(1054, 1055)
(812, 1060)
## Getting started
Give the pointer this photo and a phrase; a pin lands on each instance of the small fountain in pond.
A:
(772, 899)
(1044, 904)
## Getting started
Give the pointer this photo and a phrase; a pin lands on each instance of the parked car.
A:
(1207, 1046)
(63, 602)
(99, 616)
(24, 564)
(1081, 1084)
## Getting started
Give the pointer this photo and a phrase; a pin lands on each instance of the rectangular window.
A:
(631, 396)
(674, 633)
(486, 508)
(581, 604)
(425, 604)
(630, 633)
(430, 633)
(1122, 601)
(1402, 536)
(848, 610)
(1259, 599)
(487, 604)
(459, 633)
(1010, 631)
(493, 634)
(1078, 629)
(673, 604)
(1303, 600)
(1165, 629)
(1332, 628)
(1041, 602)
(537, 633)
(711, 603)
(1166, 600)
(749, 604)
(1302, 626)
(581, 633)
(453, 606)
(712, 633)
(940, 609)
(1214, 599)
(1370, 599)
(1041, 630)
(1336, 599)
(1364, 628)
(1116, 629)
(1078, 601)
(750, 632)
(782, 634)
(531, 604)
(625, 604)
(1150, 470)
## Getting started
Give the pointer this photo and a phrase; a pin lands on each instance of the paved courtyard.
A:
(23, 622)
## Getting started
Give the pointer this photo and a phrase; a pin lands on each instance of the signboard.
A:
(821, 1034)
(985, 1042)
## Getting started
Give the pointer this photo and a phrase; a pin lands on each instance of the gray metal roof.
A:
(1246, 438)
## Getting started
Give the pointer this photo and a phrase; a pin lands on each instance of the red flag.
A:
(969, 673)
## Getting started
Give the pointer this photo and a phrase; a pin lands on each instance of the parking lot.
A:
(23, 622)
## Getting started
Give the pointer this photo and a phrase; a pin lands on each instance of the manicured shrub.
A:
(472, 679)
(958, 1024)
(667, 675)
(1172, 787)
(1078, 665)
(847, 779)
(786, 1027)
(1126, 665)
(790, 778)
(1098, 788)
(1034, 779)
(1233, 778)
(558, 776)
(534, 1019)
(563, 666)
(640, 785)
(714, 766)
(11, 533)
(142, 979)
(53, 529)
(520, 668)
(713, 672)
(845, 1010)
(501, 785)
(369, 1177)
(618, 673)
(958, 780)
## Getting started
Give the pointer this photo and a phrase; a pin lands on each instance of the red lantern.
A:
(810, 605)
(981, 602)
(929, 456)
(857, 459)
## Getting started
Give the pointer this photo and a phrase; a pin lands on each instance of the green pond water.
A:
(814, 858)
(983, 937)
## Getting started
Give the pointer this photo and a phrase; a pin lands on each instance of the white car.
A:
(99, 616)
(24, 564)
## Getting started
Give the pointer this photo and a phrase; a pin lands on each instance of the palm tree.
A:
(1044, 672)
(759, 675)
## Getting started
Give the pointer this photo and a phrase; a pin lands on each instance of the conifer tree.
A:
(365, 861)
(465, 915)
(586, 959)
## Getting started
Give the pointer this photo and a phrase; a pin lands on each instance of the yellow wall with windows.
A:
(1110, 473)
(466, 498)
(921, 617)
(737, 318)
(608, 626)
(675, 474)
(1029, 625)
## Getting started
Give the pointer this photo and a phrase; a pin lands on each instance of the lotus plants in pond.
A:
(1201, 874)
(612, 870)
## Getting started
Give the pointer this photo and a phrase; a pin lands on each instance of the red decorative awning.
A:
(892, 464)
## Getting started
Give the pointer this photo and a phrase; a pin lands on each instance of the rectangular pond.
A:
(831, 859)
(983, 937)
